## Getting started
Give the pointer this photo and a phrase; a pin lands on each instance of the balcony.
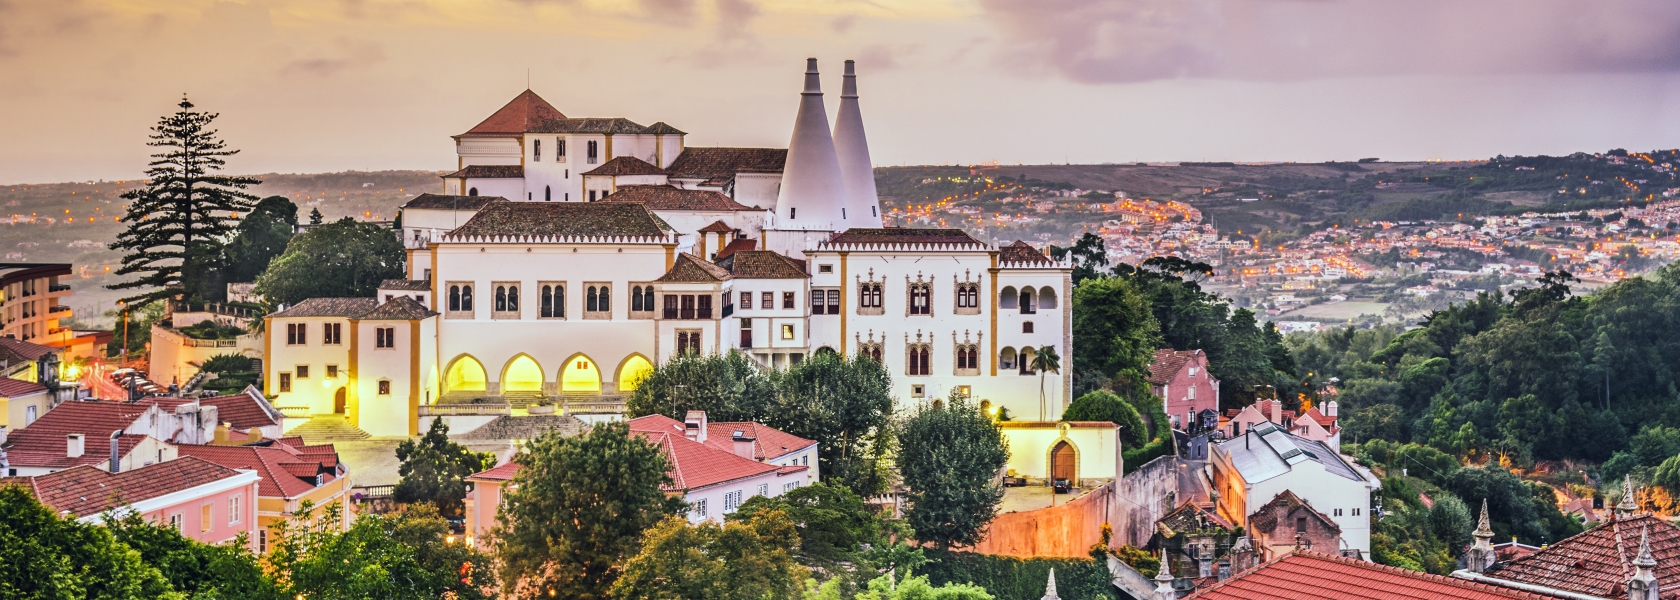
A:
(59, 308)
(62, 287)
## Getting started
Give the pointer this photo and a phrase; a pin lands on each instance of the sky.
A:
(332, 85)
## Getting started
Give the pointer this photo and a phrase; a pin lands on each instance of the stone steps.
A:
(322, 429)
(523, 428)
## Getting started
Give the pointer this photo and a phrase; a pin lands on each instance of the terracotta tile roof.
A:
(1190, 517)
(738, 245)
(501, 472)
(13, 388)
(587, 219)
(691, 269)
(241, 411)
(400, 308)
(329, 307)
(626, 165)
(406, 285)
(1167, 364)
(1327, 422)
(15, 350)
(762, 264)
(520, 115)
(1306, 575)
(1021, 252)
(588, 125)
(443, 202)
(86, 490)
(901, 235)
(1598, 561)
(276, 464)
(695, 465)
(717, 227)
(662, 128)
(718, 166)
(488, 172)
(43, 443)
(1265, 518)
(769, 443)
(664, 197)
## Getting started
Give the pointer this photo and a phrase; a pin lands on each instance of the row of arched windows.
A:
(553, 302)
(460, 298)
(507, 298)
(1028, 300)
(598, 298)
(641, 298)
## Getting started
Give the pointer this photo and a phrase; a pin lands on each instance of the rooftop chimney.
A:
(73, 445)
(743, 445)
(1481, 555)
(116, 457)
(694, 426)
(863, 206)
(1643, 585)
(813, 190)
(1330, 409)
(1277, 411)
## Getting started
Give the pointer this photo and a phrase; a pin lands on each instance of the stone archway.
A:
(580, 374)
(522, 374)
(632, 371)
(464, 374)
(1064, 462)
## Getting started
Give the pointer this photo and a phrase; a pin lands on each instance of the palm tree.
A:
(1045, 360)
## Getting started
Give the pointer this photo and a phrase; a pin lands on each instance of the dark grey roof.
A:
(691, 269)
(662, 128)
(762, 264)
(329, 307)
(443, 202)
(562, 219)
(488, 172)
(587, 125)
(400, 308)
(406, 285)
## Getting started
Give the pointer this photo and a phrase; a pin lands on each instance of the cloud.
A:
(1115, 41)
(349, 55)
(883, 57)
(842, 24)
(674, 12)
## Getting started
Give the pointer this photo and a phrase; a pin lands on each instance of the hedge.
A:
(1020, 579)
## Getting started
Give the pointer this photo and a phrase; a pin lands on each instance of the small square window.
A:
(302, 371)
(1338, 512)
(384, 387)
(918, 391)
(206, 516)
(825, 268)
(1027, 327)
(787, 332)
(787, 299)
(332, 371)
(965, 390)
(285, 382)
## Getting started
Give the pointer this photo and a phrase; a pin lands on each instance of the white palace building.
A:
(568, 256)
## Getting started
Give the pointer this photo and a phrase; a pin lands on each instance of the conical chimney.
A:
(813, 191)
(863, 207)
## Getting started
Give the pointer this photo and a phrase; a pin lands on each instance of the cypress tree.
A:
(177, 222)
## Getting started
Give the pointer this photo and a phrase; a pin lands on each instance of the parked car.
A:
(1062, 486)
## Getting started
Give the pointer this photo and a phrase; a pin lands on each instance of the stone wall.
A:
(1145, 495)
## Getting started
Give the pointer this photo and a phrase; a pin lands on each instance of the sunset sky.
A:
(326, 85)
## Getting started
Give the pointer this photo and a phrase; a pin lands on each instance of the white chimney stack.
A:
(813, 190)
(694, 425)
(863, 206)
(73, 445)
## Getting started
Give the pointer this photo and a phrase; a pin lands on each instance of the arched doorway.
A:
(522, 374)
(464, 375)
(1063, 462)
(580, 374)
(340, 401)
(632, 372)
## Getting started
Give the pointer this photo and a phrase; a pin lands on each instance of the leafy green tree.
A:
(260, 236)
(728, 386)
(380, 556)
(835, 528)
(315, 216)
(46, 557)
(1089, 256)
(1373, 422)
(576, 510)
(949, 457)
(744, 560)
(177, 222)
(338, 260)
(233, 372)
(1101, 405)
(1118, 334)
(911, 587)
(194, 568)
(1045, 361)
(1452, 522)
(434, 470)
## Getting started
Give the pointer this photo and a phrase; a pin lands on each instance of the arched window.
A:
(1007, 298)
(1027, 306)
(591, 301)
(606, 300)
(647, 298)
(472, 191)
(548, 194)
(466, 298)
(454, 297)
(501, 298)
(1006, 358)
(1024, 361)
(636, 298)
(513, 298)
(1046, 297)
(547, 301)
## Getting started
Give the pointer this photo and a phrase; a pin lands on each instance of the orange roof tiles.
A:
(87, 490)
(1303, 575)
(1598, 561)
(277, 464)
(524, 113)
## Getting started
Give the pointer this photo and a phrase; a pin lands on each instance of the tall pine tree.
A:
(177, 223)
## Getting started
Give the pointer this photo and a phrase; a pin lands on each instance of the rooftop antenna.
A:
(527, 78)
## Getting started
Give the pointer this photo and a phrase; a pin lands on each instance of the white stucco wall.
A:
(1030, 443)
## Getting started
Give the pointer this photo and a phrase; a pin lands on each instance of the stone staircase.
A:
(523, 428)
(523, 399)
(322, 429)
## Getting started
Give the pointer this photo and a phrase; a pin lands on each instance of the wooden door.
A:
(1062, 462)
(339, 402)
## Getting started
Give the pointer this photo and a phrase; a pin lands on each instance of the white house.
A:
(1251, 470)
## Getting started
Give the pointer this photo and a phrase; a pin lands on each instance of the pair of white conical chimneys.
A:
(828, 183)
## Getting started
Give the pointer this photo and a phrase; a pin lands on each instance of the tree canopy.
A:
(342, 259)
(949, 457)
(1100, 405)
(435, 470)
(745, 559)
(261, 235)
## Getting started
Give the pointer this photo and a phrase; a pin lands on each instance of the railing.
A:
(62, 287)
(215, 308)
(197, 343)
(442, 410)
(595, 408)
(372, 492)
(293, 412)
(59, 308)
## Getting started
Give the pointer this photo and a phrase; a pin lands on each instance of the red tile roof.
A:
(12, 388)
(1021, 252)
(626, 165)
(738, 245)
(664, 197)
(16, 350)
(1306, 575)
(762, 264)
(691, 269)
(769, 443)
(695, 465)
(561, 219)
(501, 472)
(1168, 363)
(1598, 561)
(277, 464)
(717, 227)
(43, 443)
(242, 411)
(87, 490)
(524, 113)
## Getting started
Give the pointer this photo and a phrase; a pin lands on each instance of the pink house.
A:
(204, 501)
(1181, 379)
